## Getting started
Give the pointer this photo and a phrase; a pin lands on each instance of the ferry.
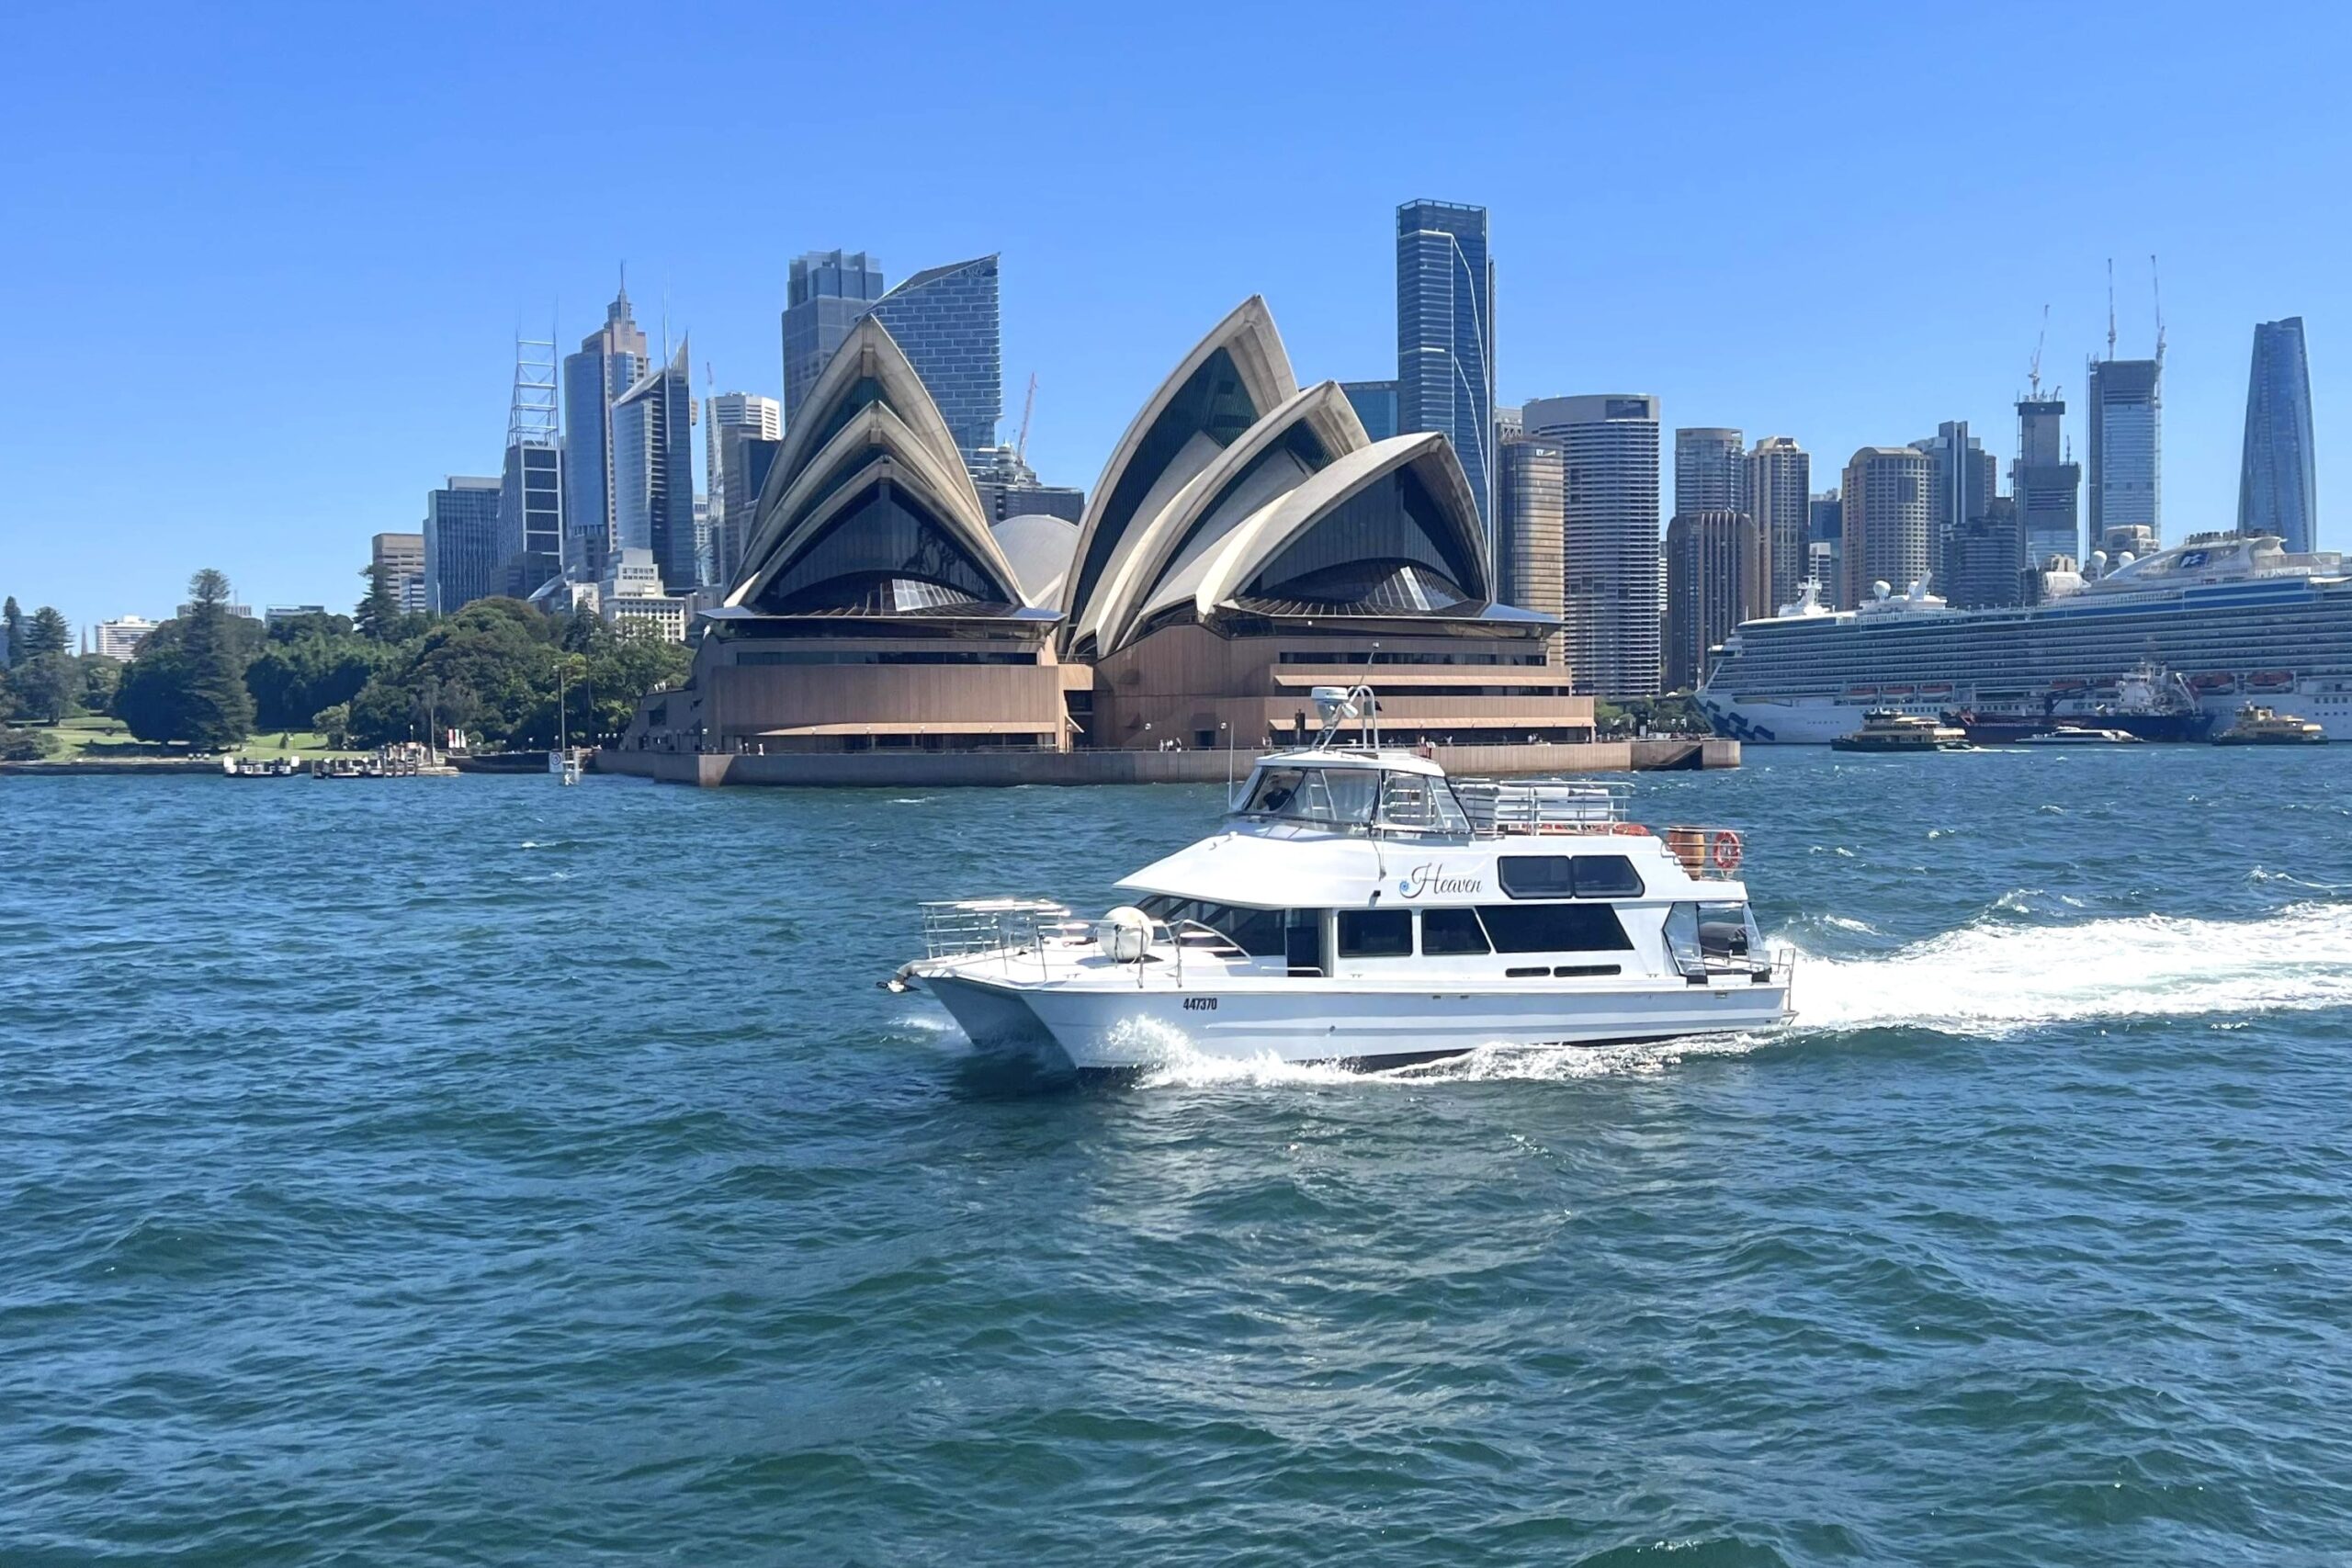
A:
(1887, 730)
(2260, 725)
(2212, 616)
(1361, 907)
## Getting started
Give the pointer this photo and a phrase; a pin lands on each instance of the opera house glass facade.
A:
(1246, 542)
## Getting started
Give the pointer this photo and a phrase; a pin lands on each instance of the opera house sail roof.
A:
(868, 509)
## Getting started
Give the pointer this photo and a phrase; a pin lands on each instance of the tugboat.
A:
(2259, 725)
(1361, 907)
(1883, 729)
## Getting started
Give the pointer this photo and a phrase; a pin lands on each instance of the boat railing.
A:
(1708, 853)
(1013, 927)
(1501, 807)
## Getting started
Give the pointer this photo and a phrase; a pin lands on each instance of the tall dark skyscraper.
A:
(461, 559)
(1376, 405)
(653, 472)
(1962, 478)
(944, 319)
(826, 294)
(2047, 486)
(2277, 480)
(1445, 336)
(2126, 414)
(609, 362)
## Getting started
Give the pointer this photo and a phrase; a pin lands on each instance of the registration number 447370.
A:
(1200, 1004)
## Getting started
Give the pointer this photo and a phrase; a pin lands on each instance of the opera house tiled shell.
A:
(1246, 542)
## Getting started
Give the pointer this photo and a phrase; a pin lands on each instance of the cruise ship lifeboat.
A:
(1861, 691)
(1895, 690)
(2213, 681)
(1940, 689)
(2069, 686)
(2271, 681)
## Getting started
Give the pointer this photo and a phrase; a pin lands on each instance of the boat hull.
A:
(1098, 1027)
(1816, 721)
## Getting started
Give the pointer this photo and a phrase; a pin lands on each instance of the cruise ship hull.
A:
(2227, 620)
(1371, 1026)
(1818, 720)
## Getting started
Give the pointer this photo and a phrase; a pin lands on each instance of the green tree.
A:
(220, 709)
(47, 632)
(100, 677)
(26, 745)
(334, 723)
(46, 685)
(293, 678)
(12, 620)
(153, 697)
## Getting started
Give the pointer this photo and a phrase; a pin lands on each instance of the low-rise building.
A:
(632, 591)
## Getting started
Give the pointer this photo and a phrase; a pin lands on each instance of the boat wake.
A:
(1995, 978)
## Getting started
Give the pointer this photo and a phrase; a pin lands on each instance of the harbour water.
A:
(472, 1171)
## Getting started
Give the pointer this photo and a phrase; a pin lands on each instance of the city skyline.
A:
(309, 268)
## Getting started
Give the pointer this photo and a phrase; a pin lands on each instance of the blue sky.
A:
(263, 266)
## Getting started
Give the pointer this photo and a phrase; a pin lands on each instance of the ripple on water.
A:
(549, 1182)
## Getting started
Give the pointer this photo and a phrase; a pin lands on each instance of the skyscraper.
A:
(1445, 336)
(747, 460)
(2047, 487)
(730, 418)
(461, 559)
(1825, 547)
(1961, 478)
(2277, 480)
(944, 319)
(1376, 405)
(609, 363)
(399, 558)
(1530, 526)
(1987, 559)
(1709, 471)
(1611, 565)
(530, 500)
(1780, 480)
(1716, 576)
(2126, 414)
(1888, 528)
(654, 472)
(827, 291)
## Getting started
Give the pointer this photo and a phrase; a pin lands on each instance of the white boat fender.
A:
(1123, 934)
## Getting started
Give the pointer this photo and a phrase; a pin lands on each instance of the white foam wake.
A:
(1996, 978)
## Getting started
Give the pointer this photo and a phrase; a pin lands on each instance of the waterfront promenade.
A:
(895, 769)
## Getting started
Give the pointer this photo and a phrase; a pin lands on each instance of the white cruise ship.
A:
(2236, 618)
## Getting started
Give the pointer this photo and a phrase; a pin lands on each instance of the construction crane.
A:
(2157, 288)
(1028, 404)
(2110, 307)
(2033, 371)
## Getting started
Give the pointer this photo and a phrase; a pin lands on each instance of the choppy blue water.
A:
(480, 1171)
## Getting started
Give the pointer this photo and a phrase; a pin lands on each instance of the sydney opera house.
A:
(1247, 541)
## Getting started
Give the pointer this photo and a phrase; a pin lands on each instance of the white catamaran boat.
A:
(1359, 905)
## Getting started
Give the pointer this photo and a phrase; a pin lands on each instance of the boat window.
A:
(1314, 795)
(1536, 877)
(1416, 802)
(1375, 933)
(1608, 876)
(1303, 940)
(1727, 931)
(1258, 933)
(1682, 938)
(1554, 927)
(1446, 931)
(1569, 876)
(1277, 788)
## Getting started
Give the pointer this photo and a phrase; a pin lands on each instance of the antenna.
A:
(2156, 288)
(1020, 447)
(2033, 371)
(2110, 307)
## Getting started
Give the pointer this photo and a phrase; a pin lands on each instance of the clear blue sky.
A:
(264, 264)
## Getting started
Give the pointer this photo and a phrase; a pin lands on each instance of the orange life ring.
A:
(1629, 829)
(1728, 850)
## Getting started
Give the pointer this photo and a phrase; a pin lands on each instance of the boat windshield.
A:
(1357, 797)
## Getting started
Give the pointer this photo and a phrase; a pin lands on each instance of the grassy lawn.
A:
(103, 738)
